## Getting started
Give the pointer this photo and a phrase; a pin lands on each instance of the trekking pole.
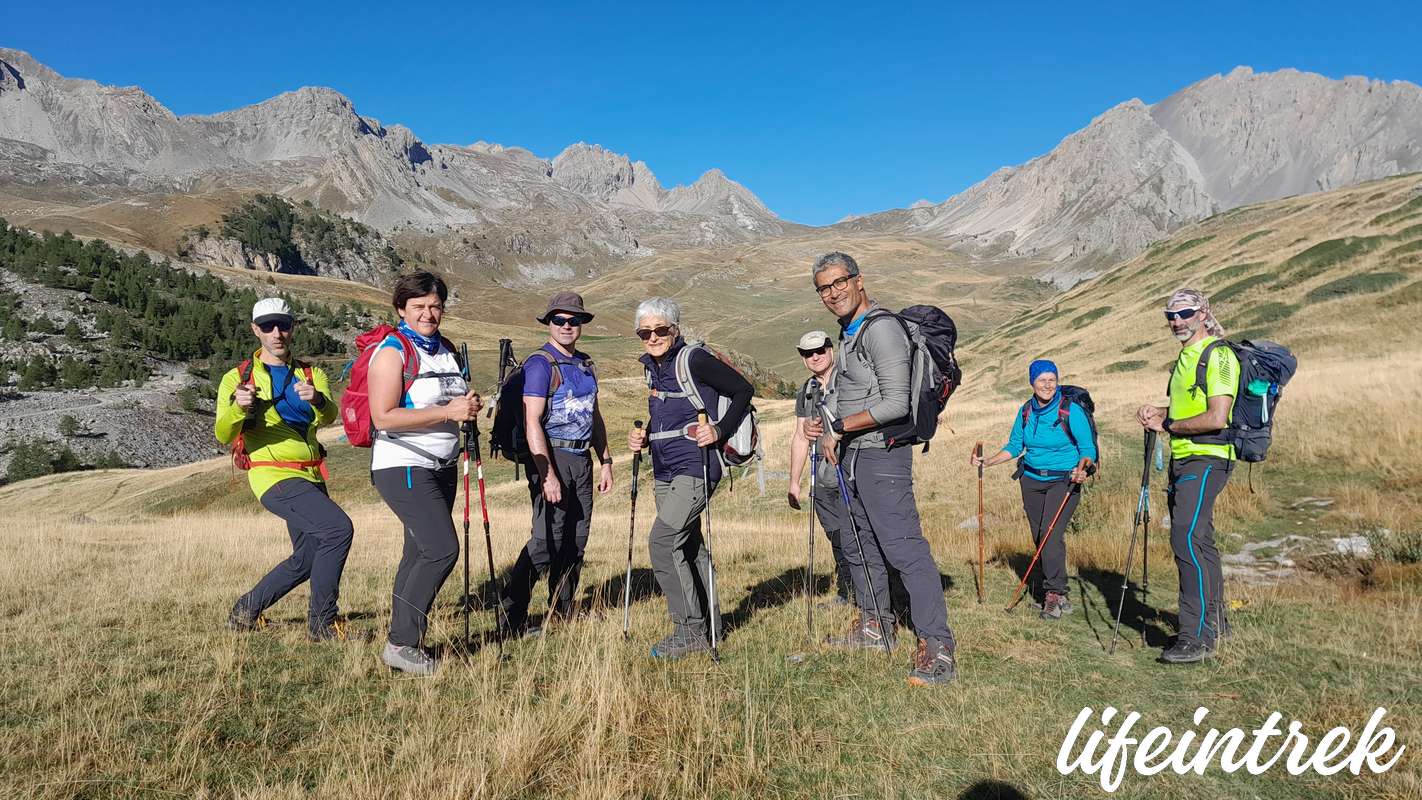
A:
(1018, 598)
(715, 609)
(982, 559)
(631, 532)
(471, 443)
(464, 361)
(863, 563)
(814, 386)
(1142, 511)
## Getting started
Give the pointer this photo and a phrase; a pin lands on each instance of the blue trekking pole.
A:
(863, 563)
(1142, 515)
(810, 567)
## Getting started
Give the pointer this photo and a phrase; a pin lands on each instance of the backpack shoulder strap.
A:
(555, 375)
(1203, 365)
(1064, 419)
(880, 313)
(410, 362)
(244, 371)
(682, 369)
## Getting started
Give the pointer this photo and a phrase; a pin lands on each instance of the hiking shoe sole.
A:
(409, 660)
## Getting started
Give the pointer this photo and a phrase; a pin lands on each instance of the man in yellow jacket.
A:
(274, 403)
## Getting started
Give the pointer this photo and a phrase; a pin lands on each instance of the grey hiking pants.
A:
(882, 502)
(830, 509)
(680, 560)
(1041, 500)
(558, 538)
(1195, 482)
(321, 536)
(422, 499)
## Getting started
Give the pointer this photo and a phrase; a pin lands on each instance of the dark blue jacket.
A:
(669, 412)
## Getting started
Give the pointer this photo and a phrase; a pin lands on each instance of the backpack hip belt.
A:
(686, 432)
(569, 444)
(321, 463)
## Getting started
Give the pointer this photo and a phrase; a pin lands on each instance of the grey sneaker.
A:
(410, 660)
(241, 620)
(863, 635)
(681, 642)
(1052, 607)
(1187, 650)
(338, 630)
(933, 664)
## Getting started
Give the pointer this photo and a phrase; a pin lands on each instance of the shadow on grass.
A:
(992, 790)
(609, 594)
(772, 592)
(1150, 626)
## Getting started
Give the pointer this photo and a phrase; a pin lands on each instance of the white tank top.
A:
(438, 381)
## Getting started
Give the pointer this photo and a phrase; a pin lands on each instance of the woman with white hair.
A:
(680, 560)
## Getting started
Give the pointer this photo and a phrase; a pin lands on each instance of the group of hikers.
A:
(849, 416)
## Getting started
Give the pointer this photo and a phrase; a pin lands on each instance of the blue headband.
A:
(1040, 366)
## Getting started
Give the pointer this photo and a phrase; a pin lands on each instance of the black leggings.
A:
(422, 499)
(1041, 500)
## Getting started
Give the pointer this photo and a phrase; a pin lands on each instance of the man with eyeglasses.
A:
(1198, 470)
(275, 403)
(561, 421)
(872, 375)
(817, 352)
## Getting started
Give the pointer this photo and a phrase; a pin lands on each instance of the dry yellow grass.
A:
(117, 680)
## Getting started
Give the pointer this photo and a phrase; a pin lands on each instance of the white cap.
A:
(813, 340)
(269, 309)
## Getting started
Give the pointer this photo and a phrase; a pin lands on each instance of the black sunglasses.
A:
(837, 285)
(1184, 313)
(815, 352)
(561, 320)
(275, 324)
(662, 331)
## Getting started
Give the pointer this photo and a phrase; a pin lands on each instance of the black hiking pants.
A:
(321, 536)
(422, 499)
(1041, 500)
(1195, 482)
(557, 541)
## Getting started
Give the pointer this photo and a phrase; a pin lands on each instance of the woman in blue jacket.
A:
(1052, 441)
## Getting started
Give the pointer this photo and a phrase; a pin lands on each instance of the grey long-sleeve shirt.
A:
(872, 374)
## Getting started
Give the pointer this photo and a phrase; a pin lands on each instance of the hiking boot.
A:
(521, 631)
(1052, 606)
(409, 660)
(1187, 650)
(933, 664)
(242, 621)
(681, 642)
(863, 635)
(338, 630)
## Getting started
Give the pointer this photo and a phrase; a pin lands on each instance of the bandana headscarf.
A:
(1197, 299)
(425, 343)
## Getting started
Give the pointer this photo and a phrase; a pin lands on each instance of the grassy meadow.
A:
(120, 681)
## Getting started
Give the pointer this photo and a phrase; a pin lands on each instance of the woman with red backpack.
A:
(414, 455)
(1052, 433)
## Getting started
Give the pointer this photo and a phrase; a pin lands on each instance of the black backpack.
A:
(934, 373)
(1078, 396)
(507, 438)
(1264, 369)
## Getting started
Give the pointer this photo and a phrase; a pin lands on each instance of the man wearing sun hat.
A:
(268, 409)
(817, 351)
(561, 421)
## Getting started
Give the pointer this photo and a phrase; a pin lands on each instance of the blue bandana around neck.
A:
(425, 343)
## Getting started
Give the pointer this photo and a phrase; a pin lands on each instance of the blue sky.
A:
(821, 109)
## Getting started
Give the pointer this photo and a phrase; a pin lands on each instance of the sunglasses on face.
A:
(661, 331)
(561, 321)
(1184, 313)
(815, 352)
(837, 285)
(280, 324)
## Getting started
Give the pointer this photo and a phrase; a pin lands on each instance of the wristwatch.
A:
(606, 462)
(1165, 426)
(838, 427)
